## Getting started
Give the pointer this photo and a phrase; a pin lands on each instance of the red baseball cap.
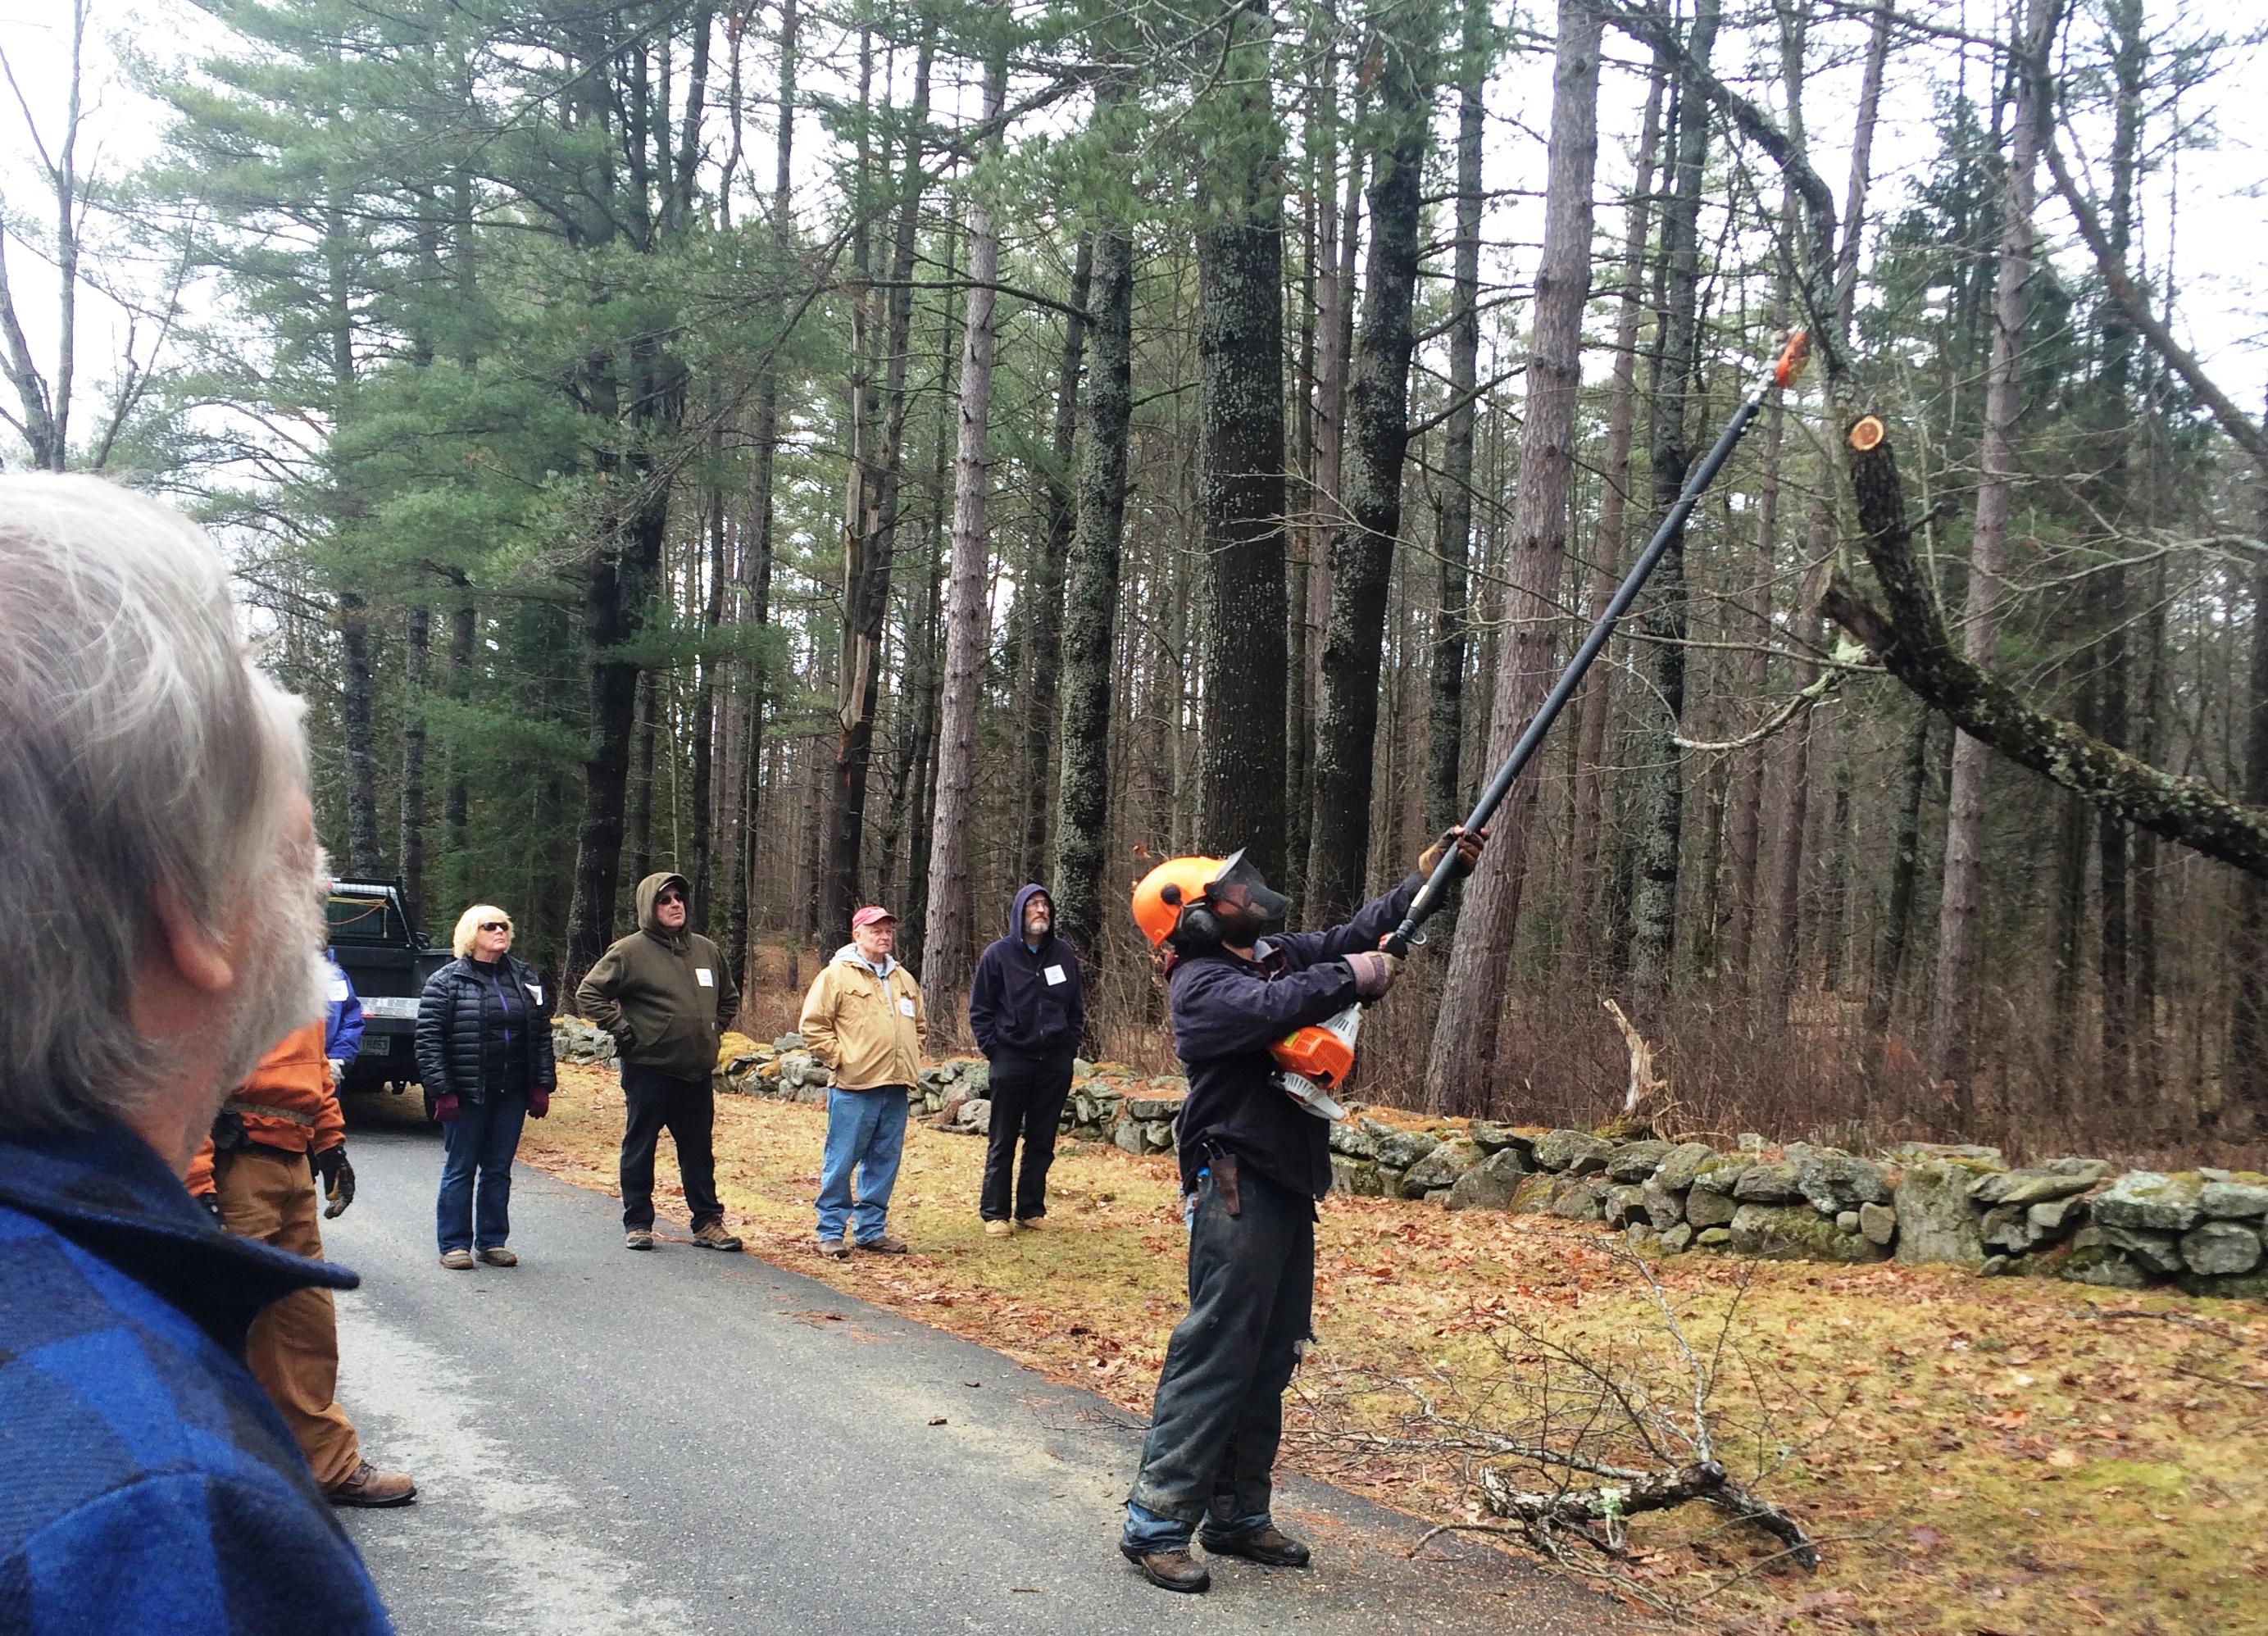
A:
(869, 915)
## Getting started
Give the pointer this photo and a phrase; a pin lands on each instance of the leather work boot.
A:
(1170, 1570)
(638, 1238)
(884, 1245)
(457, 1260)
(834, 1248)
(498, 1255)
(713, 1236)
(1031, 1223)
(999, 1229)
(1270, 1546)
(369, 1487)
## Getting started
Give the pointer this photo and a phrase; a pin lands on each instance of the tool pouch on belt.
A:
(229, 1135)
(1223, 1177)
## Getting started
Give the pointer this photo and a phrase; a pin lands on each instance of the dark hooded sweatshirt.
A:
(1024, 1002)
(1228, 1011)
(664, 996)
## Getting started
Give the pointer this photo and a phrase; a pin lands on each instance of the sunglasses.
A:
(496, 926)
(669, 898)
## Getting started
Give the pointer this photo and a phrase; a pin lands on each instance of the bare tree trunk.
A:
(354, 727)
(1091, 601)
(1953, 991)
(1621, 415)
(946, 941)
(1461, 1066)
(1378, 417)
(1905, 872)
(410, 853)
(1444, 789)
(1047, 583)
(641, 778)
(456, 795)
(2248, 1020)
(705, 695)
(1653, 909)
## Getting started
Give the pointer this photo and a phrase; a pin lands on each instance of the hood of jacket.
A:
(849, 955)
(1024, 896)
(649, 889)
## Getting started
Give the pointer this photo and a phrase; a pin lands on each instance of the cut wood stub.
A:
(1866, 431)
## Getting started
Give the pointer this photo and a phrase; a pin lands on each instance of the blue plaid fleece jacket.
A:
(146, 1482)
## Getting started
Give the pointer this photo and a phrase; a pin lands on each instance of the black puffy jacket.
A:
(459, 1009)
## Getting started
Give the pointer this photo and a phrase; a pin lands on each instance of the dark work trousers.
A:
(1027, 1101)
(687, 1108)
(1219, 1409)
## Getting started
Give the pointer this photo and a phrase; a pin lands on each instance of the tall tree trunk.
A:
(756, 557)
(417, 641)
(1954, 991)
(1047, 582)
(705, 695)
(1378, 425)
(456, 791)
(1091, 600)
(1905, 872)
(946, 941)
(1241, 412)
(1445, 791)
(1607, 548)
(928, 693)
(1653, 909)
(2248, 1023)
(355, 728)
(1460, 1070)
(641, 777)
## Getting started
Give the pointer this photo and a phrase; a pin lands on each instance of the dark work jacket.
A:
(151, 1486)
(1013, 1009)
(1228, 1011)
(463, 1019)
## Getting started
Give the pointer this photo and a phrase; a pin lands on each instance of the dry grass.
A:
(1975, 1456)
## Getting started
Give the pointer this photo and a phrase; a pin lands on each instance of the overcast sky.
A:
(2212, 198)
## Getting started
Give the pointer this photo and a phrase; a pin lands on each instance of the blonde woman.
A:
(484, 1053)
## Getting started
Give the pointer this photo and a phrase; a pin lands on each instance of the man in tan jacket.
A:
(864, 1019)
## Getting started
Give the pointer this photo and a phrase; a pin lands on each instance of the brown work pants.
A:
(293, 1349)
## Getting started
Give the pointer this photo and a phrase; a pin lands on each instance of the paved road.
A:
(685, 1442)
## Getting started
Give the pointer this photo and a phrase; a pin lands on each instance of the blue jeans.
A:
(479, 1140)
(1220, 1409)
(866, 1132)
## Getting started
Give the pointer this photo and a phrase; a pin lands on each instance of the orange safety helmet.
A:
(1171, 887)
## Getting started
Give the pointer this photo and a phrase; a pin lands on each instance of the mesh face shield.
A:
(1245, 905)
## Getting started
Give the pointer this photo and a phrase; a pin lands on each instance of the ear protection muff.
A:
(1197, 927)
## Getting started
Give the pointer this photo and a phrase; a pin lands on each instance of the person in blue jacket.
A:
(1255, 1161)
(342, 1021)
(1027, 1009)
(160, 927)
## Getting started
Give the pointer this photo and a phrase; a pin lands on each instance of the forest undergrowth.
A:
(1969, 1456)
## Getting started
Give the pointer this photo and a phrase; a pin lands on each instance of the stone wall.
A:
(2200, 1231)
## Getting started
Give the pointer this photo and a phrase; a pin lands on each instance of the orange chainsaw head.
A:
(1316, 1053)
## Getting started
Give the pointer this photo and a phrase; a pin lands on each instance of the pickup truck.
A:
(388, 960)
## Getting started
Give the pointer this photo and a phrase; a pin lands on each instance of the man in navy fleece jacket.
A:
(1027, 1009)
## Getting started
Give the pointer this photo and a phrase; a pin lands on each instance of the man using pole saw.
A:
(1249, 1000)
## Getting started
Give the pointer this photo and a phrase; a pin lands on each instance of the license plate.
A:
(377, 1045)
(401, 1008)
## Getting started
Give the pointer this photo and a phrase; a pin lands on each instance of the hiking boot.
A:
(999, 1229)
(1269, 1546)
(885, 1245)
(834, 1248)
(1031, 1223)
(1170, 1570)
(713, 1236)
(371, 1488)
(457, 1260)
(638, 1238)
(498, 1255)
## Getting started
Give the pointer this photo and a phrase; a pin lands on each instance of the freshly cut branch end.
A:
(1866, 431)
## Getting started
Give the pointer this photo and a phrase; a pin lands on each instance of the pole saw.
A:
(1317, 1059)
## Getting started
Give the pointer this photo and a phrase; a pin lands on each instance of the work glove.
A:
(212, 1202)
(338, 1073)
(539, 1103)
(336, 1178)
(444, 1109)
(1469, 851)
(1374, 971)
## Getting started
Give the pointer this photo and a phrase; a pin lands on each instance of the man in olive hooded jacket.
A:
(665, 995)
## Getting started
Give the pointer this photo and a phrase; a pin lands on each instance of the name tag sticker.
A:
(905, 1007)
(534, 991)
(338, 991)
(1054, 974)
(704, 977)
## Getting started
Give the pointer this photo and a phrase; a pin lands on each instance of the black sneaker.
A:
(1170, 1570)
(1269, 1546)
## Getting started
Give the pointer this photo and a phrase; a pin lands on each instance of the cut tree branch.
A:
(1908, 634)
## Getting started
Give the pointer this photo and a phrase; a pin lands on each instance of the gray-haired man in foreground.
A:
(159, 928)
